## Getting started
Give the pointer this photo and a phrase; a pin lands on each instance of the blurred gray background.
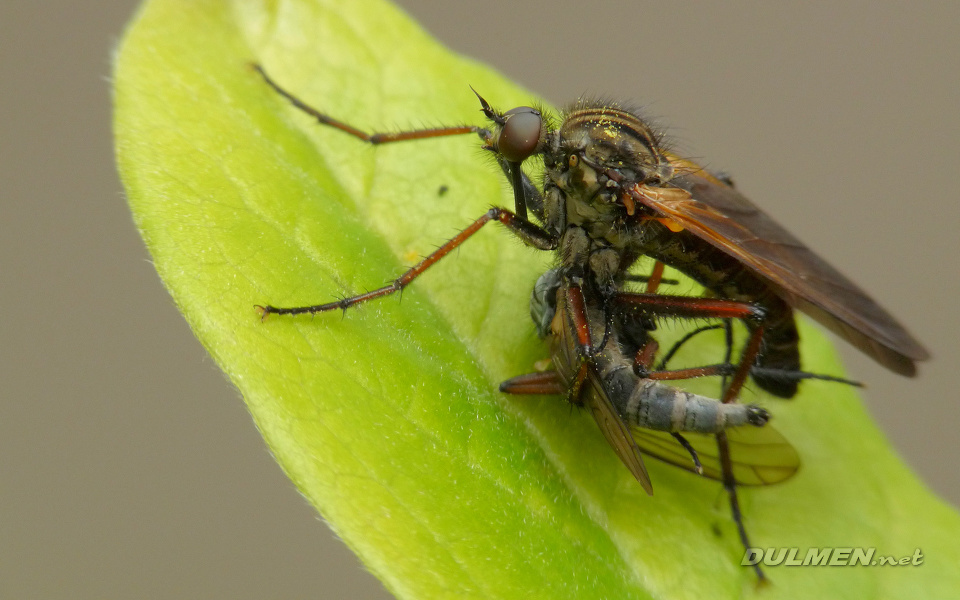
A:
(842, 122)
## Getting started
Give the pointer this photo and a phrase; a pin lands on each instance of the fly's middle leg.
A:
(531, 234)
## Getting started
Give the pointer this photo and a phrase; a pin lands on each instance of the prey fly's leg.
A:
(728, 344)
(730, 484)
(531, 234)
(545, 383)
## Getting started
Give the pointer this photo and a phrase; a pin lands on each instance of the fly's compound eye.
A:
(520, 134)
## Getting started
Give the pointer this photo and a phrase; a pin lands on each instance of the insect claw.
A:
(697, 465)
(486, 137)
(263, 311)
(758, 416)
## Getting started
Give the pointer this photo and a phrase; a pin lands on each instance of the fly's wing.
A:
(721, 216)
(616, 431)
(567, 361)
(759, 455)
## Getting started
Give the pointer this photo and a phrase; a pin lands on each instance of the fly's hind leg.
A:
(687, 307)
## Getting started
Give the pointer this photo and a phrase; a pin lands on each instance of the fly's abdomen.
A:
(652, 405)
(780, 349)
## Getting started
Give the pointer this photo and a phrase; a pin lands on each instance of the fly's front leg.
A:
(525, 192)
(525, 230)
(531, 234)
(370, 138)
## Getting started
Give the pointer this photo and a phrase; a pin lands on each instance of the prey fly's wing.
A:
(759, 455)
(580, 374)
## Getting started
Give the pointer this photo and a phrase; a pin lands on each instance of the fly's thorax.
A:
(599, 150)
(596, 155)
(588, 232)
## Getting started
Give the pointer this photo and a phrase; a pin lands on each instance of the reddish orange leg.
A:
(546, 383)
(519, 225)
(512, 169)
(656, 277)
(520, 183)
(645, 355)
(747, 358)
(525, 230)
(372, 138)
(578, 315)
(683, 306)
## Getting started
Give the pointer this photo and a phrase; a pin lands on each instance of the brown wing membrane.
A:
(593, 395)
(723, 217)
(616, 432)
(760, 455)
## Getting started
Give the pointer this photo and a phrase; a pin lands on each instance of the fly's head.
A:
(600, 152)
(597, 153)
(516, 135)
